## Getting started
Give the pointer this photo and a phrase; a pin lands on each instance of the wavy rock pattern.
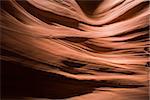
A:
(75, 49)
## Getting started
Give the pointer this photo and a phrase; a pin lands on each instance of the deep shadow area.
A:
(88, 6)
(21, 81)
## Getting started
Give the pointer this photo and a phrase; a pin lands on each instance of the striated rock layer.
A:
(75, 49)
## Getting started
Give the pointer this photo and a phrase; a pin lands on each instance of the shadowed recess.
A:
(75, 39)
(73, 63)
(88, 6)
(48, 85)
(110, 70)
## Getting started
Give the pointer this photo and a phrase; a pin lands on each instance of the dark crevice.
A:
(109, 70)
(74, 71)
(88, 6)
(75, 39)
(73, 63)
(147, 64)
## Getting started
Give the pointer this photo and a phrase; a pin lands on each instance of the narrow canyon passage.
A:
(74, 49)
